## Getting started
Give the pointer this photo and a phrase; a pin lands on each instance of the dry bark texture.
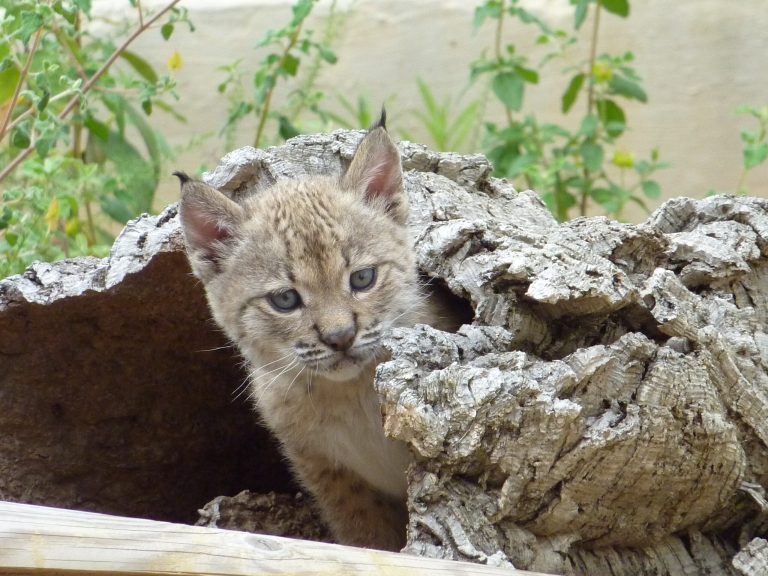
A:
(605, 413)
(273, 513)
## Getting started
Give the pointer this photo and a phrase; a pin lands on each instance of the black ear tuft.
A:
(382, 123)
(182, 176)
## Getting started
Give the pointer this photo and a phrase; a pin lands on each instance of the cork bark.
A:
(604, 413)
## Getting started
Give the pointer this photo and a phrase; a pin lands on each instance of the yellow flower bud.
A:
(623, 159)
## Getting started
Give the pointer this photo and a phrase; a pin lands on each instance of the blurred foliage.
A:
(79, 155)
(450, 129)
(754, 143)
(569, 168)
(250, 95)
(76, 147)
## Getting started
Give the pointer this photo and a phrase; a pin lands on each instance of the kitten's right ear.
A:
(376, 173)
(210, 222)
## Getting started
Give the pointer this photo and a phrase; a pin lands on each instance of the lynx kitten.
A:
(306, 277)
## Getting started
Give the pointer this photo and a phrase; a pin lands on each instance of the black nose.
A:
(340, 339)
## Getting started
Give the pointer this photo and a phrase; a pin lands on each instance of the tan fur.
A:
(311, 235)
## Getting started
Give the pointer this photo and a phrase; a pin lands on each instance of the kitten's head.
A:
(311, 271)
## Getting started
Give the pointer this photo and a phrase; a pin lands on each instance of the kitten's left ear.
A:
(210, 222)
(376, 172)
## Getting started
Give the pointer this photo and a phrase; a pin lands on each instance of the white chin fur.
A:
(343, 369)
(343, 374)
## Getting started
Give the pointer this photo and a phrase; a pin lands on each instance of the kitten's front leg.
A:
(357, 514)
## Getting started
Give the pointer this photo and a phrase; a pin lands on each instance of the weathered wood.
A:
(613, 418)
(605, 413)
(39, 540)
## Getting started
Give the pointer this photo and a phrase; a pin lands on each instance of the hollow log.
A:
(606, 411)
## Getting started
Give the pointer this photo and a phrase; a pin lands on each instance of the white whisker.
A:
(288, 388)
(252, 374)
(309, 389)
(230, 345)
(263, 389)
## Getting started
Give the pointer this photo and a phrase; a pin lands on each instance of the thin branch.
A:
(29, 111)
(70, 54)
(22, 79)
(590, 103)
(329, 32)
(268, 100)
(90, 84)
(497, 48)
(141, 13)
(592, 59)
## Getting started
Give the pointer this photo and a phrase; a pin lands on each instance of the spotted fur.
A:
(311, 368)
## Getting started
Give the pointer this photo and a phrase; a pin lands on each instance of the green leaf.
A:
(116, 104)
(755, 154)
(84, 5)
(607, 198)
(166, 30)
(141, 66)
(290, 64)
(9, 75)
(639, 201)
(572, 92)
(528, 75)
(43, 146)
(20, 138)
(97, 128)
(488, 10)
(301, 10)
(622, 85)
(651, 189)
(592, 154)
(589, 126)
(146, 105)
(618, 7)
(581, 12)
(287, 129)
(521, 164)
(643, 167)
(9, 80)
(43, 102)
(327, 55)
(11, 238)
(170, 110)
(509, 88)
(30, 23)
(137, 181)
(612, 117)
(155, 145)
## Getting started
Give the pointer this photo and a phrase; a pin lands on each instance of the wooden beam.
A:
(38, 539)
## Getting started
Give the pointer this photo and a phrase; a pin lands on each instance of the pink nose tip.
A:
(340, 339)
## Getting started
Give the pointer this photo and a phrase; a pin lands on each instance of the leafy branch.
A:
(289, 45)
(22, 78)
(87, 86)
(570, 168)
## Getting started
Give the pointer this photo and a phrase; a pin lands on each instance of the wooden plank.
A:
(38, 539)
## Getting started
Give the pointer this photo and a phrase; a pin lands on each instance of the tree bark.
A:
(605, 413)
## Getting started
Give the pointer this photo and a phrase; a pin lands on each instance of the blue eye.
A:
(362, 279)
(285, 300)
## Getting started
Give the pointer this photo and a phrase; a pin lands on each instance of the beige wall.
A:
(699, 60)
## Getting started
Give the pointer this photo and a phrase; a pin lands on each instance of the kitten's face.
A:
(309, 274)
(317, 277)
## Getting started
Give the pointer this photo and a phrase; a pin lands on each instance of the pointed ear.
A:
(376, 173)
(210, 222)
